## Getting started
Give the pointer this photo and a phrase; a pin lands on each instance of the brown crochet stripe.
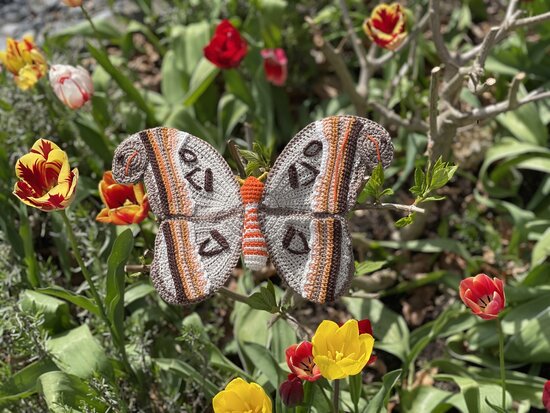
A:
(324, 267)
(160, 144)
(183, 260)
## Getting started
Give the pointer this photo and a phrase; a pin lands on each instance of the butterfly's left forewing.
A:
(194, 194)
(312, 186)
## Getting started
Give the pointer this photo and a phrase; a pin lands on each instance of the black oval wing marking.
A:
(313, 148)
(219, 238)
(290, 234)
(188, 156)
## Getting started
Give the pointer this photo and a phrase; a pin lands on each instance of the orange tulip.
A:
(386, 26)
(125, 203)
(45, 179)
(24, 61)
(73, 3)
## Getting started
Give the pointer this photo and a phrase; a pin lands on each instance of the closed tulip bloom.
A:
(299, 358)
(242, 397)
(484, 296)
(73, 3)
(340, 352)
(386, 26)
(24, 61)
(124, 203)
(546, 396)
(227, 47)
(72, 85)
(275, 66)
(292, 391)
(45, 181)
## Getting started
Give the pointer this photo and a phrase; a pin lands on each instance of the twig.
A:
(396, 207)
(490, 82)
(486, 46)
(362, 84)
(141, 268)
(233, 295)
(437, 37)
(433, 108)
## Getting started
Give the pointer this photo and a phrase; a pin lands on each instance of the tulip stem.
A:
(336, 396)
(501, 358)
(88, 17)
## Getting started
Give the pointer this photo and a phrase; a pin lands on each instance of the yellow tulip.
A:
(45, 181)
(339, 352)
(242, 397)
(24, 61)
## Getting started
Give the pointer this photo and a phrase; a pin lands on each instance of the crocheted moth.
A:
(298, 218)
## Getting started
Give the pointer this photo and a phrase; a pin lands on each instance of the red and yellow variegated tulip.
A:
(125, 203)
(299, 358)
(24, 61)
(386, 26)
(45, 181)
(73, 3)
(72, 85)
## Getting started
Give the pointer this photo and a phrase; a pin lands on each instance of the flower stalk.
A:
(336, 396)
(501, 359)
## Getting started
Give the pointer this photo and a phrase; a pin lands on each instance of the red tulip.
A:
(292, 391)
(125, 203)
(484, 296)
(386, 26)
(226, 48)
(546, 396)
(275, 66)
(299, 358)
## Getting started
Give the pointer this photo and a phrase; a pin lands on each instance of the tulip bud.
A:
(292, 391)
(72, 85)
(73, 3)
(275, 66)
(546, 396)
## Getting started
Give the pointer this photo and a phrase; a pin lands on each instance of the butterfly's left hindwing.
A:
(312, 186)
(194, 194)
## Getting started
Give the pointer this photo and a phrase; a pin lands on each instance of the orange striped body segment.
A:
(254, 247)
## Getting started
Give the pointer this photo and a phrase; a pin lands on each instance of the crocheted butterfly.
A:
(207, 219)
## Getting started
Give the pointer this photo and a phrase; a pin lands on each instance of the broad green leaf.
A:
(366, 267)
(389, 329)
(114, 299)
(379, 402)
(65, 393)
(265, 363)
(77, 352)
(188, 372)
(264, 299)
(187, 44)
(426, 399)
(136, 291)
(23, 383)
(56, 313)
(541, 250)
(76, 299)
(173, 85)
(230, 112)
(282, 337)
(203, 75)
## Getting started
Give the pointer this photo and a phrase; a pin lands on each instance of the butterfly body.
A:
(254, 246)
(298, 217)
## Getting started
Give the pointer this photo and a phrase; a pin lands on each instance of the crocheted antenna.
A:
(196, 198)
(312, 186)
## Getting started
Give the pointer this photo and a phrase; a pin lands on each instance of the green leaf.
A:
(136, 291)
(56, 312)
(366, 267)
(173, 85)
(379, 402)
(114, 299)
(78, 300)
(264, 299)
(495, 407)
(356, 388)
(265, 363)
(230, 112)
(66, 393)
(203, 75)
(403, 222)
(123, 82)
(541, 250)
(23, 383)
(373, 188)
(77, 352)
(188, 372)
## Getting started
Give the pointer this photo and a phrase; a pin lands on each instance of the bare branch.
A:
(435, 24)
(414, 125)
(486, 46)
(490, 82)
(514, 89)
(395, 207)
(339, 66)
(433, 108)
(360, 52)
